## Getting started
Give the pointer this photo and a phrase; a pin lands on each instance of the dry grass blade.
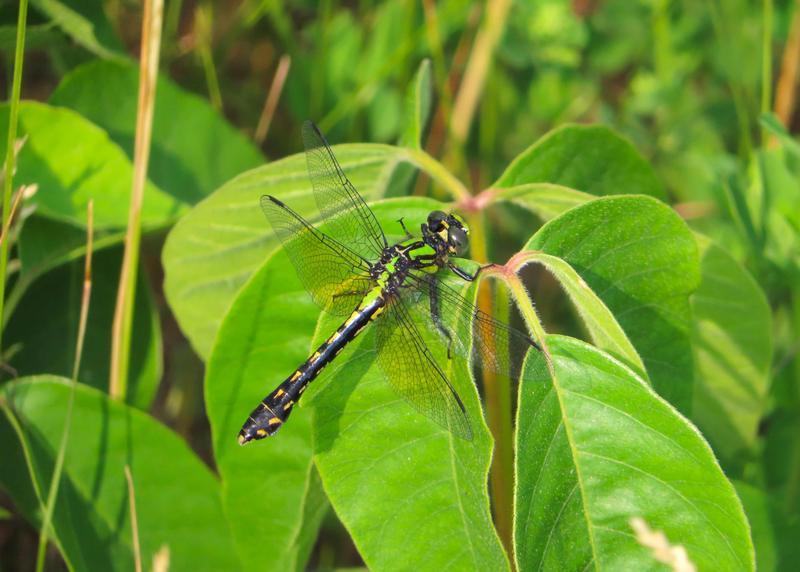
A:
(23, 191)
(273, 96)
(123, 312)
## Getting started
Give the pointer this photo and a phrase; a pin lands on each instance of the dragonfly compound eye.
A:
(457, 239)
(436, 220)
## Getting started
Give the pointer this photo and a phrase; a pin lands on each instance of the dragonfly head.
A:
(451, 229)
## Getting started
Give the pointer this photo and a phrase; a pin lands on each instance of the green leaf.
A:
(264, 336)
(86, 22)
(418, 106)
(544, 199)
(5, 514)
(177, 497)
(215, 248)
(604, 329)
(592, 159)
(73, 161)
(411, 494)
(194, 149)
(45, 243)
(732, 347)
(36, 36)
(640, 259)
(596, 447)
(45, 325)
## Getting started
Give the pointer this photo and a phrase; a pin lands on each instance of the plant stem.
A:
(272, 98)
(439, 173)
(766, 66)
(13, 116)
(62, 448)
(123, 313)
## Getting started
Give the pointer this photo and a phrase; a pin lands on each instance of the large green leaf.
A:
(45, 325)
(411, 494)
(177, 497)
(641, 260)
(73, 161)
(592, 159)
(732, 343)
(194, 149)
(596, 447)
(264, 336)
(215, 248)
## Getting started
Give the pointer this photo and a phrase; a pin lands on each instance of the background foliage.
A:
(643, 153)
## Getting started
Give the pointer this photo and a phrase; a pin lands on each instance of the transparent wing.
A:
(335, 276)
(449, 314)
(410, 368)
(346, 214)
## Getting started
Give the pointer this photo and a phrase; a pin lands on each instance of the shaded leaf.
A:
(641, 260)
(589, 158)
(177, 497)
(732, 347)
(45, 325)
(596, 447)
(194, 149)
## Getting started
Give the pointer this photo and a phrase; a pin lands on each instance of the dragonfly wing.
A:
(346, 213)
(410, 368)
(334, 275)
(449, 314)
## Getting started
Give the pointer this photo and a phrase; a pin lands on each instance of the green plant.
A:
(668, 397)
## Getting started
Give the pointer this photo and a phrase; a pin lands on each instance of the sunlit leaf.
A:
(596, 447)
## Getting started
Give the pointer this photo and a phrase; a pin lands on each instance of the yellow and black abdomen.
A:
(274, 409)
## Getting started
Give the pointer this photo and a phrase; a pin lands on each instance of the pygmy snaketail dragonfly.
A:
(352, 270)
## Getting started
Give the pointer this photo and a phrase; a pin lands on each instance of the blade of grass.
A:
(203, 32)
(52, 495)
(273, 96)
(13, 114)
(123, 313)
(766, 65)
(137, 553)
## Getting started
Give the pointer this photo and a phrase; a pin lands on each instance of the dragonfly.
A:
(351, 270)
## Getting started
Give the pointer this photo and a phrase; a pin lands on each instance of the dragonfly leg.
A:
(402, 224)
(463, 274)
(436, 316)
